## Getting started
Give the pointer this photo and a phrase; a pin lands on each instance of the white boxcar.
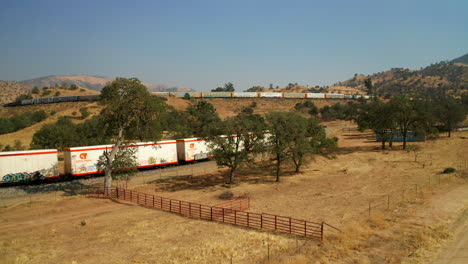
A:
(334, 96)
(315, 95)
(83, 160)
(190, 149)
(271, 95)
(294, 95)
(245, 94)
(29, 165)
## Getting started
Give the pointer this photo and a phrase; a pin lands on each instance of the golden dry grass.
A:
(334, 190)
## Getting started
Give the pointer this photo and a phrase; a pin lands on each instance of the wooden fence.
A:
(231, 212)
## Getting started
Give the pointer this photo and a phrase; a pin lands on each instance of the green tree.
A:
(23, 97)
(73, 87)
(124, 164)
(282, 127)
(57, 135)
(310, 139)
(84, 112)
(243, 137)
(228, 87)
(371, 90)
(380, 117)
(410, 115)
(203, 119)
(131, 113)
(450, 112)
(35, 90)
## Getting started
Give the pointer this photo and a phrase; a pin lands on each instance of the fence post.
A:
(321, 232)
(222, 211)
(180, 207)
(369, 207)
(153, 202)
(170, 205)
(117, 190)
(248, 220)
(199, 206)
(190, 209)
(235, 217)
(261, 221)
(275, 222)
(388, 201)
(305, 230)
(211, 215)
(290, 225)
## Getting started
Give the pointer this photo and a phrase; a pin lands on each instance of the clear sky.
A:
(204, 44)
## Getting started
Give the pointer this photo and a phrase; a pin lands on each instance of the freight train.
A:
(42, 165)
(95, 97)
(265, 95)
(56, 99)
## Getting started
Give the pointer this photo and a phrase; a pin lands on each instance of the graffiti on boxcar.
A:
(23, 176)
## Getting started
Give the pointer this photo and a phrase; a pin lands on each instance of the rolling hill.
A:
(10, 90)
(462, 59)
(92, 82)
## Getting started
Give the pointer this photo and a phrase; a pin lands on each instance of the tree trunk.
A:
(110, 159)
(405, 132)
(231, 176)
(383, 144)
(278, 167)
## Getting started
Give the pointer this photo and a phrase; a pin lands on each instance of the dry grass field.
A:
(335, 190)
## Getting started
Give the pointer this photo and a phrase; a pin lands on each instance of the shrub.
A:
(84, 112)
(57, 93)
(247, 110)
(449, 170)
(226, 195)
(35, 90)
(23, 97)
(46, 92)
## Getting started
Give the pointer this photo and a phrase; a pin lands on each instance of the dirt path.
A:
(456, 251)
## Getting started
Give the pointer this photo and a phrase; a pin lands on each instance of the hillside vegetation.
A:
(436, 78)
(10, 90)
(92, 82)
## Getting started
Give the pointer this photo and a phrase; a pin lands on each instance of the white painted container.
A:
(83, 160)
(29, 165)
(271, 95)
(316, 95)
(294, 95)
(190, 149)
(334, 96)
(245, 94)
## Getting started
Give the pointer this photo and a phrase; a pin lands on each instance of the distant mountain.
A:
(462, 59)
(450, 76)
(92, 82)
(10, 90)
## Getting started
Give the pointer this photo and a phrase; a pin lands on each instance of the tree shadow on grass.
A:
(252, 175)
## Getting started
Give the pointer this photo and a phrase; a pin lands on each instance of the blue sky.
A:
(204, 44)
